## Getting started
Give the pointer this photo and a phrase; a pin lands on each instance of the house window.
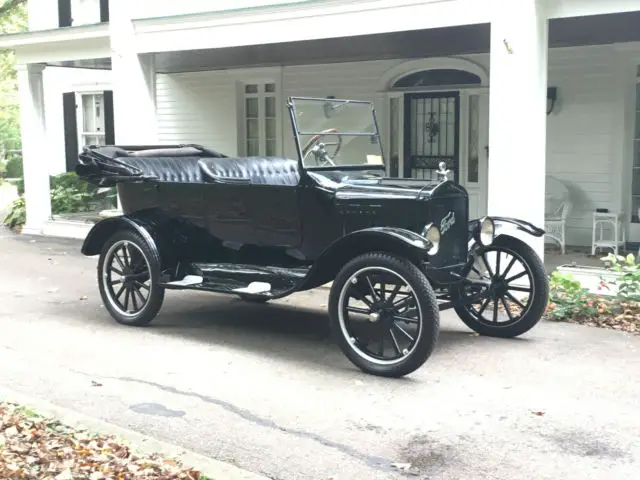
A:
(91, 121)
(635, 173)
(473, 164)
(260, 119)
(437, 78)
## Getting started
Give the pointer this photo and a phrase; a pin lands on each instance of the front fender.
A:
(505, 226)
(397, 241)
(509, 223)
(402, 238)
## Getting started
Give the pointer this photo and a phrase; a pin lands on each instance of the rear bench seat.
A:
(169, 169)
(251, 170)
(189, 165)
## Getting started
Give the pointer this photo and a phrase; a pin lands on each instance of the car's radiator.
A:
(450, 213)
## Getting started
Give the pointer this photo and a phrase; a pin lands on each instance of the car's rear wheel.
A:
(505, 293)
(128, 272)
(384, 314)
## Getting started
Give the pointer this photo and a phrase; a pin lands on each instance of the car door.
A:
(226, 213)
(275, 215)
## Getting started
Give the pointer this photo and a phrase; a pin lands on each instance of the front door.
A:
(475, 155)
(431, 134)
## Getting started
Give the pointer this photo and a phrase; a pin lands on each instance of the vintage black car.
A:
(397, 251)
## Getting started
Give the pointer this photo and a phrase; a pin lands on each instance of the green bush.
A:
(628, 282)
(17, 214)
(20, 185)
(70, 194)
(13, 168)
(569, 300)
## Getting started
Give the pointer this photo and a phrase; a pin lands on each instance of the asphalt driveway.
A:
(264, 387)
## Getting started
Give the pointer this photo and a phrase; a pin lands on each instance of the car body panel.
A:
(200, 206)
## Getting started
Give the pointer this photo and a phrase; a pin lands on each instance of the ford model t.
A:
(397, 251)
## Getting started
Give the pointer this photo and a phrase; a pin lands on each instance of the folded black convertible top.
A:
(105, 166)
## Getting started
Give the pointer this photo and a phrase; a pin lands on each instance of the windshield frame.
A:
(297, 134)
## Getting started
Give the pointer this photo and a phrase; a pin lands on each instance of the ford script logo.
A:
(447, 222)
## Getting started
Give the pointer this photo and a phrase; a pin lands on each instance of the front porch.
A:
(574, 256)
(462, 80)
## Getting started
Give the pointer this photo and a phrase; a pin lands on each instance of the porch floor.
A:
(575, 255)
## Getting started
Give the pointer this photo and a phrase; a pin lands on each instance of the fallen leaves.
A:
(34, 447)
(625, 319)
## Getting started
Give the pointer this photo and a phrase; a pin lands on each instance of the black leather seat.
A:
(253, 170)
(168, 169)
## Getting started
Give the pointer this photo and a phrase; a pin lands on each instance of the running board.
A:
(255, 280)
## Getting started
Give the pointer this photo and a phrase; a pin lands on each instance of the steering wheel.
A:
(321, 156)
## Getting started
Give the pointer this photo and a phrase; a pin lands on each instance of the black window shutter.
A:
(104, 10)
(70, 130)
(64, 13)
(109, 130)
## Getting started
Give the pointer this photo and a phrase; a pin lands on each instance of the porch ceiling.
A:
(91, 63)
(461, 40)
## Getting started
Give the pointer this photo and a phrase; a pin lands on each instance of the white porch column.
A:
(517, 119)
(133, 78)
(34, 147)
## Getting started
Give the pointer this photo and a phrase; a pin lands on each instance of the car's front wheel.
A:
(505, 293)
(128, 273)
(384, 314)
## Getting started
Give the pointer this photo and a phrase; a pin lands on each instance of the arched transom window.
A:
(436, 78)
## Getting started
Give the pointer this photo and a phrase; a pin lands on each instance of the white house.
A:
(523, 92)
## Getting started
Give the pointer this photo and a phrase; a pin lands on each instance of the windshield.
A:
(336, 132)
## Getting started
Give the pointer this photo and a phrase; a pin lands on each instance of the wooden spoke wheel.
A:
(384, 314)
(128, 271)
(506, 290)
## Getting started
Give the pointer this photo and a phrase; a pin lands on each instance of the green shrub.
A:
(568, 299)
(628, 282)
(70, 194)
(20, 185)
(17, 214)
(13, 167)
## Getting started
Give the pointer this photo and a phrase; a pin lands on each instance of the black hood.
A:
(390, 189)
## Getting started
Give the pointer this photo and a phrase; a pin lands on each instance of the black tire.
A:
(253, 298)
(522, 316)
(419, 300)
(142, 276)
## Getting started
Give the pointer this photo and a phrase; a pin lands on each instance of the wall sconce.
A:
(552, 96)
(331, 108)
(328, 107)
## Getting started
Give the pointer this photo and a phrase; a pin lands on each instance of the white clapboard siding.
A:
(197, 108)
(583, 134)
(357, 81)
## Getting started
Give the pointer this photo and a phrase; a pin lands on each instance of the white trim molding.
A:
(55, 35)
(583, 8)
(219, 30)
(436, 63)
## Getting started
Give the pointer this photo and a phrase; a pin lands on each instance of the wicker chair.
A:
(557, 209)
